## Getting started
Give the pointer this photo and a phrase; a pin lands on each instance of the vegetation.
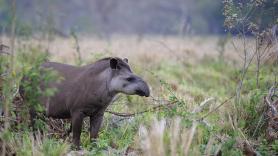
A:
(201, 104)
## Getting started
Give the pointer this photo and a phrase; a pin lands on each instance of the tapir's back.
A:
(77, 88)
(72, 91)
(66, 71)
(56, 106)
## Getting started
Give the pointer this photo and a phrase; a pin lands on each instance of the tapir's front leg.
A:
(95, 124)
(77, 121)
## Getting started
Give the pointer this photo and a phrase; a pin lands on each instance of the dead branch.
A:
(270, 102)
(77, 48)
(271, 106)
(166, 47)
(158, 107)
(272, 114)
(3, 49)
(7, 118)
(154, 108)
(244, 145)
(203, 105)
(216, 108)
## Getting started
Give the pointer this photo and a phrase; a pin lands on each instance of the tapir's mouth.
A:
(141, 93)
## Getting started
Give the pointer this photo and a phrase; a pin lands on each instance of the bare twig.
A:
(7, 118)
(272, 114)
(271, 106)
(216, 108)
(77, 47)
(155, 108)
(3, 48)
(167, 47)
(271, 103)
(259, 124)
(260, 54)
(243, 73)
(202, 105)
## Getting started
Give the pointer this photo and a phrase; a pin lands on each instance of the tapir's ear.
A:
(113, 63)
(126, 60)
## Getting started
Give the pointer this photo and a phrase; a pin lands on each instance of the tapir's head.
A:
(125, 81)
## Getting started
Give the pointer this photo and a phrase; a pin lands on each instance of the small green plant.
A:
(20, 140)
(275, 146)
(229, 148)
(26, 144)
(33, 76)
(3, 73)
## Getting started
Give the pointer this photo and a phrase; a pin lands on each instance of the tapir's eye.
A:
(130, 79)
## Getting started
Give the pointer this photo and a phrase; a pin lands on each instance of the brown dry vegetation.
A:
(187, 49)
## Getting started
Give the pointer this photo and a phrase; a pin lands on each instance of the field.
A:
(194, 108)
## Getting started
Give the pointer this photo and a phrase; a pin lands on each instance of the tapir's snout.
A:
(143, 89)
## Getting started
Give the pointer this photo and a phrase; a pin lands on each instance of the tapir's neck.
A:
(98, 87)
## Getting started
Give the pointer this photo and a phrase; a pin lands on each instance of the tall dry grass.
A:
(151, 49)
(148, 50)
(152, 140)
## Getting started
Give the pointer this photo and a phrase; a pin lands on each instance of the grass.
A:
(185, 72)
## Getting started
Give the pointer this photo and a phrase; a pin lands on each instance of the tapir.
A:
(88, 90)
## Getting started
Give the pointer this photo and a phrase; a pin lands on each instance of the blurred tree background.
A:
(106, 17)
